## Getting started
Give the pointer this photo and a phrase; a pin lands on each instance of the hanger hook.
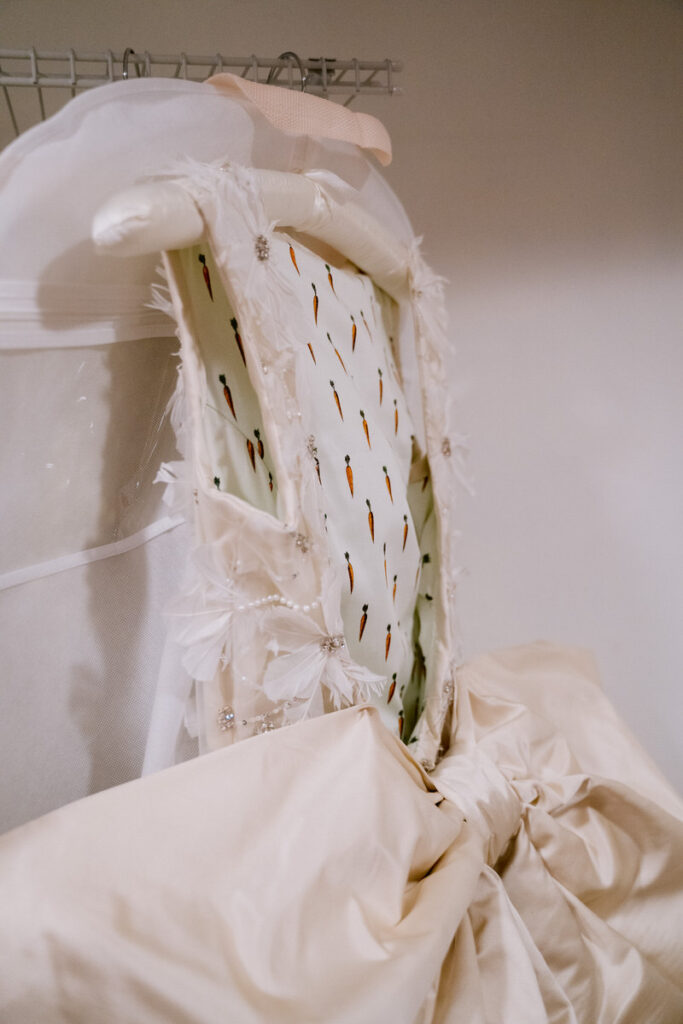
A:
(126, 57)
(290, 55)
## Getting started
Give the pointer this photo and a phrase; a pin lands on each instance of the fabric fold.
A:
(318, 873)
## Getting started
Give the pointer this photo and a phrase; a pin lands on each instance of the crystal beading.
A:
(267, 721)
(262, 247)
(226, 718)
(332, 644)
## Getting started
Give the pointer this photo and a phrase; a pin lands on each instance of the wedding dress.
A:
(374, 832)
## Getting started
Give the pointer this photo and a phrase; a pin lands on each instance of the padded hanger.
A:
(162, 216)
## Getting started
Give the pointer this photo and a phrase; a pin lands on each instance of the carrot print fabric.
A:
(359, 438)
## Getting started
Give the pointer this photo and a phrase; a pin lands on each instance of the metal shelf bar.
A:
(75, 71)
(323, 72)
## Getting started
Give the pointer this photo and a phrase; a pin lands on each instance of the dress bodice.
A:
(319, 576)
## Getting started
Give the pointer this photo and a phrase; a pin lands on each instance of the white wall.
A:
(538, 148)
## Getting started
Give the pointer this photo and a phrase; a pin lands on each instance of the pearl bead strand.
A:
(273, 599)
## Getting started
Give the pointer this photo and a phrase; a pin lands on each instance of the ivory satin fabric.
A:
(316, 873)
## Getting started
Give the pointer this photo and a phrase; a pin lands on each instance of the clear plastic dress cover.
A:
(84, 430)
(89, 553)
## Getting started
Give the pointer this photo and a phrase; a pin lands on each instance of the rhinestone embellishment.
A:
(331, 644)
(267, 721)
(301, 541)
(226, 718)
(262, 247)
(446, 447)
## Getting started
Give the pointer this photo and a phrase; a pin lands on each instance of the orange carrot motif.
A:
(400, 724)
(384, 552)
(336, 352)
(252, 454)
(362, 314)
(395, 416)
(394, 592)
(381, 386)
(259, 443)
(365, 428)
(371, 519)
(270, 481)
(317, 468)
(292, 255)
(329, 277)
(405, 531)
(336, 398)
(227, 393)
(354, 332)
(233, 324)
(217, 482)
(310, 349)
(315, 304)
(205, 274)
(350, 570)
(363, 620)
(392, 688)
(349, 472)
(387, 642)
(387, 481)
